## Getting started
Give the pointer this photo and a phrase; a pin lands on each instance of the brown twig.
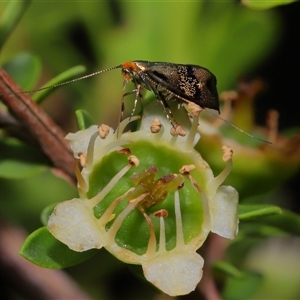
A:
(49, 136)
(214, 251)
(27, 279)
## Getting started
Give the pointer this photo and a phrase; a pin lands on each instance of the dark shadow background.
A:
(281, 73)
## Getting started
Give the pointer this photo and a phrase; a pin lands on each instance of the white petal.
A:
(223, 212)
(75, 225)
(175, 273)
(79, 140)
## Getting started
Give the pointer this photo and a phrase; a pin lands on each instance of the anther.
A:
(82, 159)
(155, 126)
(161, 213)
(227, 153)
(194, 109)
(124, 151)
(133, 160)
(186, 170)
(103, 131)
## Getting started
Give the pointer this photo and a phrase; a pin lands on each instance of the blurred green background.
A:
(228, 39)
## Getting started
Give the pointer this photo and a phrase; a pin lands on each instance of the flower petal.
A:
(74, 224)
(223, 212)
(79, 141)
(175, 273)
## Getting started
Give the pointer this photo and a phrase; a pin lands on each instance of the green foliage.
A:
(261, 5)
(19, 160)
(31, 67)
(10, 17)
(58, 81)
(84, 119)
(42, 249)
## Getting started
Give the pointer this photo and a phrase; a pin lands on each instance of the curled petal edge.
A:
(223, 212)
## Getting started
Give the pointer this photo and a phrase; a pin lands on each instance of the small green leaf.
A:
(227, 269)
(286, 221)
(18, 160)
(25, 69)
(58, 81)
(265, 4)
(10, 18)
(259, 230)
(47, 211)
(84, 119)
(248, 212)
(240, 247)
(42, 249)
(243, 287)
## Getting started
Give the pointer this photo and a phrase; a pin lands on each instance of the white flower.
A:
(149, 198)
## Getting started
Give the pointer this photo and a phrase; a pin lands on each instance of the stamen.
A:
(103, 131)
(162, 237)
(95, 200)
(173, 132)
(133, 160)
(106, 217)
(111, 233)
(161, 213)
(90, 150)
(82, 159)
(214, 183)
(151, 248)
(82, 186)
(124, 123)
(124, 151)
(186, 170)
(155, 126)
(178, 130)
(189, 144)
(179, 228)
(227, 153)
(204, 200)
(194, 109)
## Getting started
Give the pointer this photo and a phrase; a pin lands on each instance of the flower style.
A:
(149, 198)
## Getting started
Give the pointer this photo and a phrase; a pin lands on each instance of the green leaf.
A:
(242, 287)
(240, 247)
(271, 216)
(47, 211)
(286, 221)
(59, 80)
(259, 230)
(84, 119)
(18, 160)
(30, 66)
(239, 284)
(227, 269)
(265, 4)
(248, 212)
(10, 18)
(42, 249)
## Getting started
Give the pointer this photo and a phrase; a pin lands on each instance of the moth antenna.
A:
(239, 129)
(66, 82)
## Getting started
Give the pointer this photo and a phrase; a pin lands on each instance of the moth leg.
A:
(138, 95)
(167, 110)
